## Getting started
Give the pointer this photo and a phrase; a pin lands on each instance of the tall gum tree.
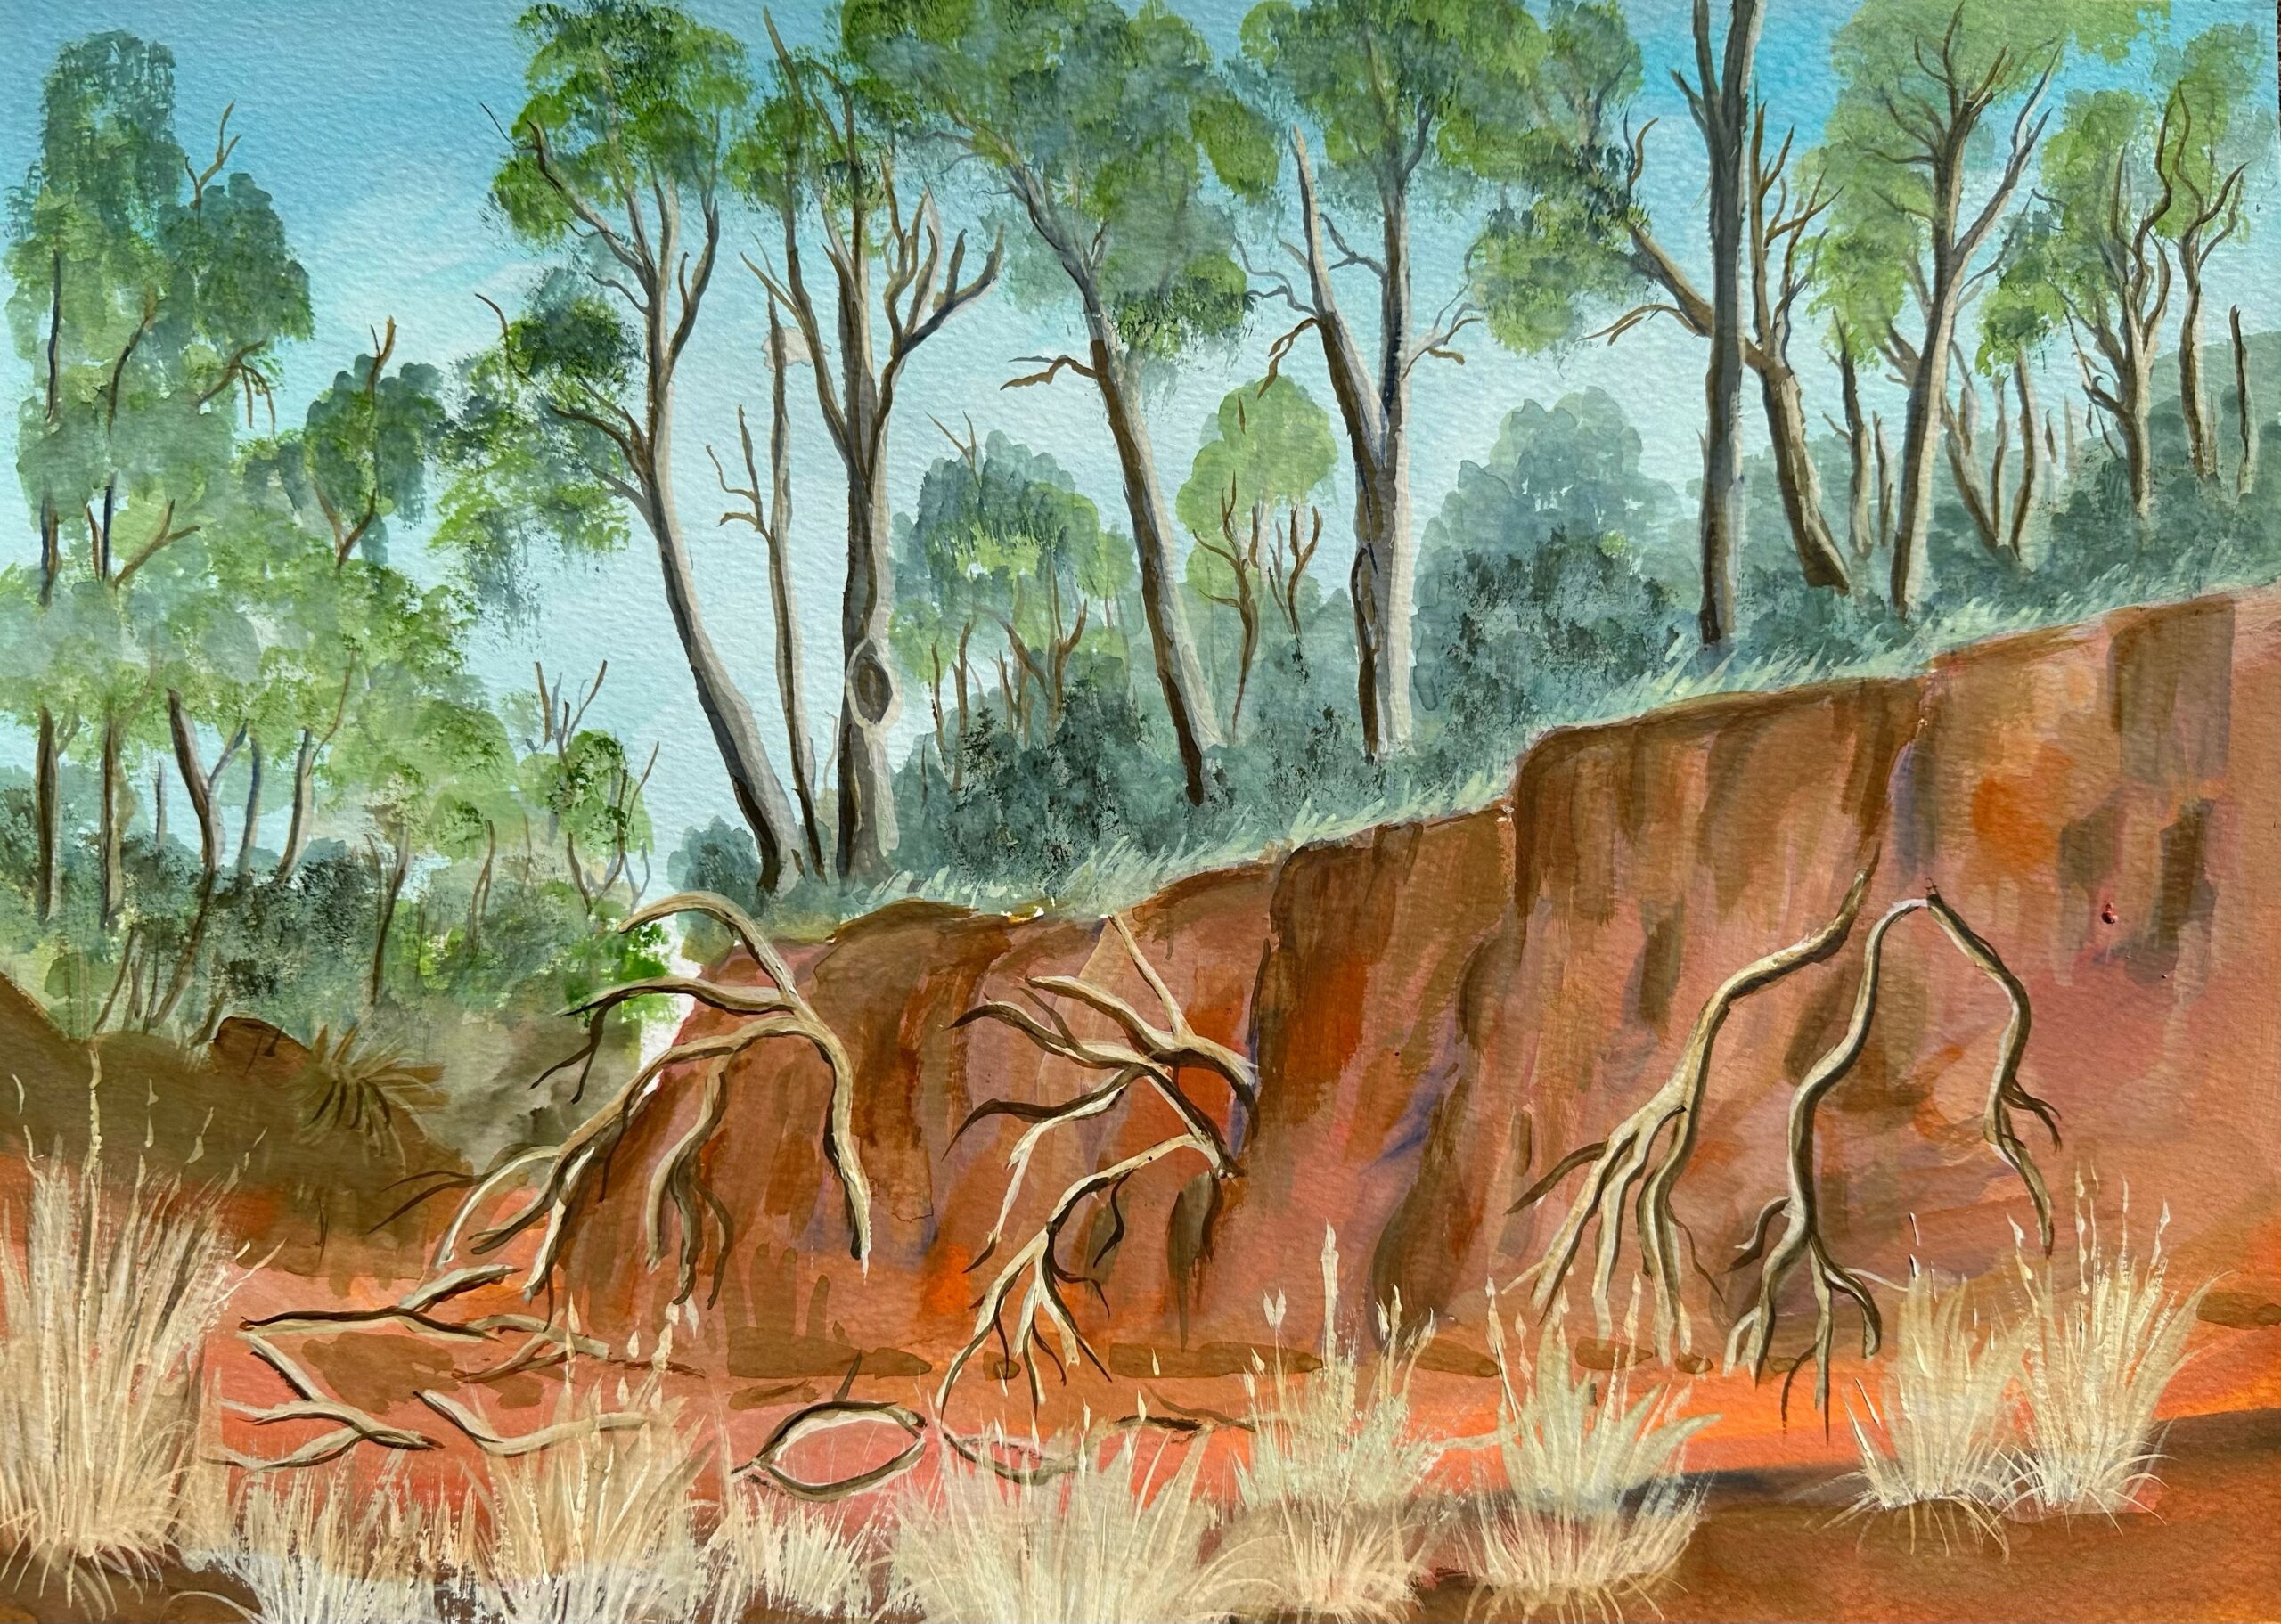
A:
(620, 157)
(823, 155)
(1586, 239)
(2205, 141)
(1941, 106)
(1103, 131)
(1405, 102)
(151, 294)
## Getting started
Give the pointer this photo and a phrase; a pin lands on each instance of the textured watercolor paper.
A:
(1363, 809)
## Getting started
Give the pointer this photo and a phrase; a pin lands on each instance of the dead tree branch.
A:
(354, 1425)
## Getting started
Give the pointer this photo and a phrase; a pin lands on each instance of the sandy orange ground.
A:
(1777, 1543)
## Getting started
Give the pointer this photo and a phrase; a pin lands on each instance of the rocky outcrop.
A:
(1440, 1010)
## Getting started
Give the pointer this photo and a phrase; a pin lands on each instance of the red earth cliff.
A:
(1440, 1010)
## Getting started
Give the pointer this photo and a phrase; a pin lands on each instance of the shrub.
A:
(1333, 1527)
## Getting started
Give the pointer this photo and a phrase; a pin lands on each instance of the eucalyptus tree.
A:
(826, 154)
(620, 168)
(2092, 261)
(1002, 566)
(1584, 238)
(1447, 102)
(1102, 131)
(149, 297)
(311, 528)
(2205, 139)
(1250, 503)
(1927, 91)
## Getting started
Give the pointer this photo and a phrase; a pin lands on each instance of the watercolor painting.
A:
(1140, 809)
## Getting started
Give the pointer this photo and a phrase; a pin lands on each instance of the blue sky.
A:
(368, 124)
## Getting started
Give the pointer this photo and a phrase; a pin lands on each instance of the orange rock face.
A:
(1440, 1011)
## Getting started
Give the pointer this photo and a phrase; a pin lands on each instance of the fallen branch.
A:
(526, 1443)
(410, 1312)
(1801, 1240)
(1628, 1157)
(356, 1426)
(831, 1416)
(781, 1012)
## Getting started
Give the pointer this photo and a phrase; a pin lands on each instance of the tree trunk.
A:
(1818, 560)
(1928, 391)
(1188, 698)
(1374, 409)
(2245, 413)
(1722, 110)
(391, 887)
(47, 815)
(1884, 478)
(759, 794)
(871, 696)
(2193, 395)
(1393, 552)
(253, 809)
(196, 785)
(2031, 458)
(297, 830)
(2133, 418)
(752, 779)
(193, 782)
(778, 537)
(1862, 475)
(110, 837)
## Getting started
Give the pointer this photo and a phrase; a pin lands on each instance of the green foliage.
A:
(1536, 594)
(1916, 75)
(526, 478)
(2209, 90)
(1269, 443)
(1005, 567)
(1104, 128)
(626, 94)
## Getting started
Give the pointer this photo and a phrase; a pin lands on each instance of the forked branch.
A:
(781, 1011)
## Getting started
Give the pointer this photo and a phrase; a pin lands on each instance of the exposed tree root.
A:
(1149, 1053)
(779, 1011)
(1801, 1240)
(1628, 1157)
(355, 1426)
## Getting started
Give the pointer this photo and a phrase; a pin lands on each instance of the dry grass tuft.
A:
(1943, 1437)
(600, 1527)
(1537, 1563)
(1595, 1514)
(318, 1548)
(101, 1386)
(1119, 1544)
(786, 1556)
(1333, 1524)
(2098, 1358)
